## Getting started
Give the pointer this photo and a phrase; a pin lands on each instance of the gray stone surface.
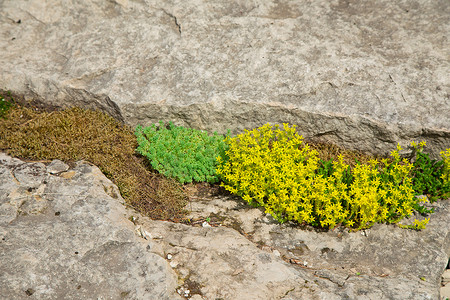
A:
(56, 167)
(384, 262)
(445, 290)
(360, 74)
(66, 236)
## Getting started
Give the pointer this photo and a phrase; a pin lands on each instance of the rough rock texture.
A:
(64, 235)
(445, 290)
(360, 74)
(384, 262)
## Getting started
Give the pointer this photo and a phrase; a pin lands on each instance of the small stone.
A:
(143, 233)
(206, 224)
(169, 256)
(29, 292)
(276, 253)
(57, 166)
(446, 276)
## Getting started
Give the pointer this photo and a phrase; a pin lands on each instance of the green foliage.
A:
(272, 167)
(431, 176)
(4, 106)
(182, 153)
(418, 225)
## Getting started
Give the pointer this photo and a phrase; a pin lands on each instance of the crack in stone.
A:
(184, 247)
(14, 176)
(288, 292)
(395, 83)
(177, 24)
(33, 17)
(319, 274)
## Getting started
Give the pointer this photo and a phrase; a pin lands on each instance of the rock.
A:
(68, 239)
(384, 262)
(445, 290)
(57, 166)
(363, 76)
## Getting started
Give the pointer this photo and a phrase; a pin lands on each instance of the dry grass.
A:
(78, 134)
(327, 152)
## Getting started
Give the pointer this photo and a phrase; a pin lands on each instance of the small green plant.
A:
(4, 106)
(418, 225)
(430, 176)
(182, 153)
(446, 168)
(272, 167)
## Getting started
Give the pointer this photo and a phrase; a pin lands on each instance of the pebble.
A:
(173, 264)
(206, 224)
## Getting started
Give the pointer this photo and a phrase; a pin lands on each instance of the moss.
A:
(328, 152)
(79, 134)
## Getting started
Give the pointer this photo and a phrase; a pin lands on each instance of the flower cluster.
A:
(272, 167)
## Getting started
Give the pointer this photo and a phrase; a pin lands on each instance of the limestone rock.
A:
(362, 75)
(57, 166)
(69, 239)
(67, 235)
(383, 262)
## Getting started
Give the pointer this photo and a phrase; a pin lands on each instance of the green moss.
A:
(5, 106)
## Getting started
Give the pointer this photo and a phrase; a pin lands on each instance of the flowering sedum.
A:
(272, 167)
(446, 169)
(431, 176)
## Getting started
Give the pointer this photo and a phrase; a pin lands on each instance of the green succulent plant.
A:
(182, 153)
(430, 176)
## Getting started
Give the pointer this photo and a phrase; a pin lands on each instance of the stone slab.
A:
(361, 75)
(66, 234)
(68, 238)
(383, 262)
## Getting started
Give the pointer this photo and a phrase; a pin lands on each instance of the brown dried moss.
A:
(327, 152)
(77, 134)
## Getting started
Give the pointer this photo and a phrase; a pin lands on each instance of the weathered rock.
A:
(445, 290)
(65, 234)
(67, 237)
(362, 75)
(384, 262)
